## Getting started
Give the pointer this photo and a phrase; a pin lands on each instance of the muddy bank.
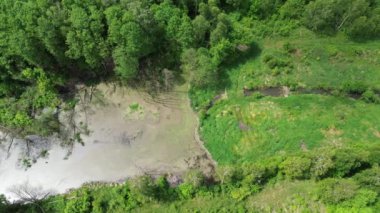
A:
(130, 133)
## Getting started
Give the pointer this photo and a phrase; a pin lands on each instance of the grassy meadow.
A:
(241, 128)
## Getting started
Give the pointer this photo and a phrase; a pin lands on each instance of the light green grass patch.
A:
(245, 129)
(314, 62)
(135, 111)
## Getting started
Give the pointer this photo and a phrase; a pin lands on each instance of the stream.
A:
(130, 133)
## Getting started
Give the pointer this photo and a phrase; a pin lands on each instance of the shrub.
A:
(292, 9)
(334, 191)
(81, 203)
(370, 96)
(241, 193)
(362, 199)
(163, 189)
(194, 178)
(321, 165)
(354, 87)
(274, 62)
(369, 179)
(228, 174)
(296, 167)
(186, 190)
(288, 47)
(143, 187)
(348, 161)
(201, 66)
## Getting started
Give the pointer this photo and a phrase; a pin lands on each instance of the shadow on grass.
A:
(235, 61)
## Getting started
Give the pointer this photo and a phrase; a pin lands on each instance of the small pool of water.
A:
(130, 134)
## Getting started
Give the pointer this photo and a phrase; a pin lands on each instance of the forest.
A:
(287, 93)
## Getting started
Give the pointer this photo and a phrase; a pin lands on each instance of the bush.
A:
(349, 161)
(363, 198)
(334, 191)
(81, 203)
(143, 187)
(354, 87)
(292, 9)
(370, 96)
(289, 48)
(186, 190)
(195, 178)
(230, 175)
(276, 63)
(163, 189)
(200, 64)
(241, 193)
(321, 164)
(369, 179)
(296, 167)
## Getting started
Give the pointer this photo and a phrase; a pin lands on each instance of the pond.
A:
(130, 133)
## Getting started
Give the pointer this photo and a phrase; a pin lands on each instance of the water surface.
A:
(131, 133)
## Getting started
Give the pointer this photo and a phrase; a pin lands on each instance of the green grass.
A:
(279, 126)
(314, 62)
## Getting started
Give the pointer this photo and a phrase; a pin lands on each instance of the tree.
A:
(201, 27)
(130, 33)
(85, 31)
(292, 9)
(200, 65)
(263, 9)
(175, 24)
(331, 16)
(3, 203)
(365, 27)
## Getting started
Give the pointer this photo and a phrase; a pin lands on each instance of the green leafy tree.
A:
(200, 65)
(85, 31)
(201, 28)
(330, 16)
(131, 34)
(292, 9)
(175, 24)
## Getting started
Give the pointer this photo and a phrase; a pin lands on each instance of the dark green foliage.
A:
(358, 17)
(3, 203)
(85, 30)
